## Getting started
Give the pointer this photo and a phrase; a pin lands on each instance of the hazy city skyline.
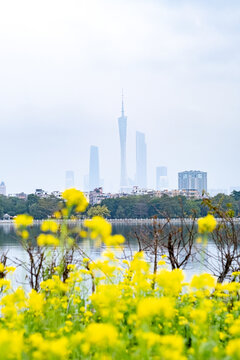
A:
(141, 160)
(62, 72)
(161, 178)
(193, 180)
(122, 127)
(94, 171)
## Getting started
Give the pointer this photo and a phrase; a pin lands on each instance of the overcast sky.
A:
(63, 65)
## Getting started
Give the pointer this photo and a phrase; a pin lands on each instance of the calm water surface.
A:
(9, 242)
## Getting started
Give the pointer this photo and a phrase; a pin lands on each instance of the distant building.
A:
(190, 194)
(136, 190)
(3, 189)
(21, 195)
(97, 196)
(41, 193)
(122, 125)
(192, 180)
(141, 160)
(57, 194)
(94, 178)
(7, 217)
(161, 178)
(69, 179)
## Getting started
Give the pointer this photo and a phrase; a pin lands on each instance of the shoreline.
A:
(120, 221)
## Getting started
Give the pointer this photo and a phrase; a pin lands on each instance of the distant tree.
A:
(225, 259)
(236, 195)
(120, 213)
(112, 205)
(145, 206)
(32, 199)
(44, 208)
(224, 202)
(140, 210)
(98, 211)
(192, 208)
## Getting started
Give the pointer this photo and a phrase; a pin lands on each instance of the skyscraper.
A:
(94, 178)
(122, 125)
(141, 160)
(192, 180)
(161, 178)
(69, 179)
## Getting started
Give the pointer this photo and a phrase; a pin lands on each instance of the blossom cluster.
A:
(125, 318)
(131, 313)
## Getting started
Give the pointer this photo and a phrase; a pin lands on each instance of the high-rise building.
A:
(122, 125)
(141, 160)
(69, 179)
(94, 178)
(161, 178)
(3, 189)
(192, 180)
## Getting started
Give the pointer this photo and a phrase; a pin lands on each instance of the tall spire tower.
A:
(122, 125)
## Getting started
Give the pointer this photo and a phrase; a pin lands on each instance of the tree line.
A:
(145, 206)
(39, 208)
(141, 207)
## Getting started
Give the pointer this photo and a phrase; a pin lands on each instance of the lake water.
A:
(9, 242)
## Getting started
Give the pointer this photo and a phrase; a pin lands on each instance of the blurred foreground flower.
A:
(23, 221)
(76, 199)
(49, 225)
(47, 240)
(207, 224)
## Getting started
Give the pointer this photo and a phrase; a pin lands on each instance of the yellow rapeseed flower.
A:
(101, 335)
(11, 344)
(75, 198)
(206, 224)
(152, 306)
(170, 282)
(5, 284)
(235, 328)
(23, 220)
(233, 349)
(25, 234)
(49, 225)
(114, 240)
(203, 282)
(2, 268)
(100, 228)
(36, 302)
(236, 273)
(47, 240)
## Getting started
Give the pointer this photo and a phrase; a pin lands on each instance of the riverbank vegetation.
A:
(145, 206)
(39, 208)
(129, 207)
(113, 307)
